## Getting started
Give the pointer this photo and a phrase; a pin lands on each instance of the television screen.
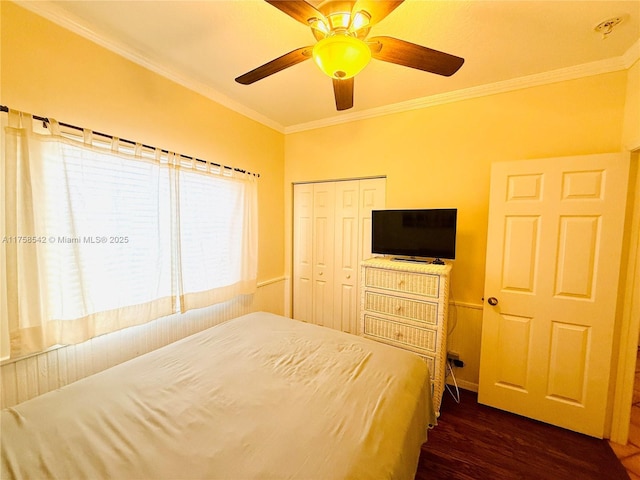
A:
(415, 233)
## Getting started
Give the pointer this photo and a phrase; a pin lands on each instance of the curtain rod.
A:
(45, 121)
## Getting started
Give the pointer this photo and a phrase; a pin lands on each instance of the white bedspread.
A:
(259, 397)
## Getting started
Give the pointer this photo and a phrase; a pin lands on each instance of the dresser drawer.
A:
(406, 282)
(424, 312)
(400, 333)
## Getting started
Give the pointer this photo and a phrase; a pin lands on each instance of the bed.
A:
(258, 397)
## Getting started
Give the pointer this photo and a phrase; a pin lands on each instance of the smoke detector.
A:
(606, 27)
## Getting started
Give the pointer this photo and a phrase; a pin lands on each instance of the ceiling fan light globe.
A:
(339, 20)
(318, 28)
(341, 56)
(360, 20)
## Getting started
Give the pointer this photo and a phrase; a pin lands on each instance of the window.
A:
(214, 217)
(100, 235)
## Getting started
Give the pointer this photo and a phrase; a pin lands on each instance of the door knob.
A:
(493, 301)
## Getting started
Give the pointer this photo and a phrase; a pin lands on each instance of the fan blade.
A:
(297, 9)
(274, 66)
(378, 9)
(343, 91)
(411, 55)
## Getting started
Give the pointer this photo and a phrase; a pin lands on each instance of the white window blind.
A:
(211, 238)
(106, 218)
(101, 235)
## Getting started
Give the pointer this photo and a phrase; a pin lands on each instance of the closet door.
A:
(303, 252)
(372, 197)
(332, 235)
(354, 202)
(346, 256)
(323, 252)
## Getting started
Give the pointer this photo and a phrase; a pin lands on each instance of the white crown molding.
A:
(632, 55)
(57, 15)
(570, 73)
(60, 17)
(626, 61)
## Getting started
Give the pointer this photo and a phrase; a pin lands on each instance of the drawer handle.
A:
(400, 283)
(348, 277)
(398, 335)
(398, 308)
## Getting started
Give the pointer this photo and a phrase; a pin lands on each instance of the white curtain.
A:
(212, 239)
(101, 234)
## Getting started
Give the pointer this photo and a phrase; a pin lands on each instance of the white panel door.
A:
(303, 251)
(552, 268)
(372, 197)
(346, 256)
(355, 200)
(323, 253)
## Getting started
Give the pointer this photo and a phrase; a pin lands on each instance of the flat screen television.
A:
(427, 233)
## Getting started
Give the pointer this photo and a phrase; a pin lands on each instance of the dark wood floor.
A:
(476, 442)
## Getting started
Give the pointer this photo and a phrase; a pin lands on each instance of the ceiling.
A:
(205, 45)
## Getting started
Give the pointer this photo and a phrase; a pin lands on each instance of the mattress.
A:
(259, 397)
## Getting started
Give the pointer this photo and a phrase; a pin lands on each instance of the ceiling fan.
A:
(342, 50)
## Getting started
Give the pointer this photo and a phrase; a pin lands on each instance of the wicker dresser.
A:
(404, 304)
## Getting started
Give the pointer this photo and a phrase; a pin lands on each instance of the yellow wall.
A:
(441, 156)
(47, 70)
